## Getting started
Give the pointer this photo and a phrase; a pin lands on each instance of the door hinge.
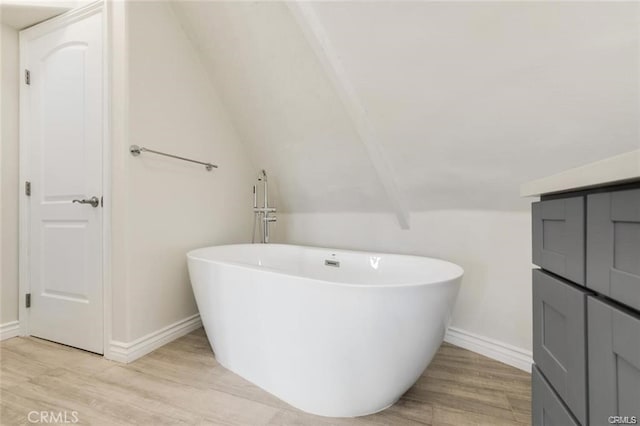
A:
(27, 77)
(27, 300)
(27, 188)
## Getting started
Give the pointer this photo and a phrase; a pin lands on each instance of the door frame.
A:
(24, 231)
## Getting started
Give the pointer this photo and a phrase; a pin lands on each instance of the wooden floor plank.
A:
(182, 383)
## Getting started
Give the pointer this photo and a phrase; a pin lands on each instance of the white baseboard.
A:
(9, 330)
(494, 349)
(129, 352)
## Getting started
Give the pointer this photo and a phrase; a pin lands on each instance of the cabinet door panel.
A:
(614, 362)
(613, 245)
(559, 338)
(558, 237)
(547, 408)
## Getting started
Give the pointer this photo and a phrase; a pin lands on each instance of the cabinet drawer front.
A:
(547, 408)
(613, 245)
(614, 362)
(559, 339)
(558, 237)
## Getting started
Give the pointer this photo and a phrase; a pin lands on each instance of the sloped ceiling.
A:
(466, 100)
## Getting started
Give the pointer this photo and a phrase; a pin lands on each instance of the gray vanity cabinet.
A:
(559, 341)
(586, 307)
(558, 237)
(614, 362)
(613, 245)
(547, 408)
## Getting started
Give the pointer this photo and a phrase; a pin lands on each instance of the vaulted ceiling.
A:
(438, 104)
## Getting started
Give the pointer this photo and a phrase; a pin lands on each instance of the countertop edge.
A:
(618, 169)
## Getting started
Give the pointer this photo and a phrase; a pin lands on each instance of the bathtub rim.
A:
(459, 271)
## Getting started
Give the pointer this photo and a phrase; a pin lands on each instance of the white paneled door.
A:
(63, 125)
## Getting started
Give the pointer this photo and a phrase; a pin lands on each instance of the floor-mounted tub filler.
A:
(331, 332)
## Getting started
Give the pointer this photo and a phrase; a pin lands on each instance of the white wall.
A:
(283, 105)
(9, 175)
(164, 207)
(494, 248)
(470, 99)
(475, 100)
(466, 99)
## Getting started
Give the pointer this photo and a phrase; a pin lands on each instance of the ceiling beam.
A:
(316, 35)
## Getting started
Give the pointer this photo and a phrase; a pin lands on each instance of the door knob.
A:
(94, 201)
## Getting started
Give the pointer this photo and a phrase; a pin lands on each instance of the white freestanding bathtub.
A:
(331, 332)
